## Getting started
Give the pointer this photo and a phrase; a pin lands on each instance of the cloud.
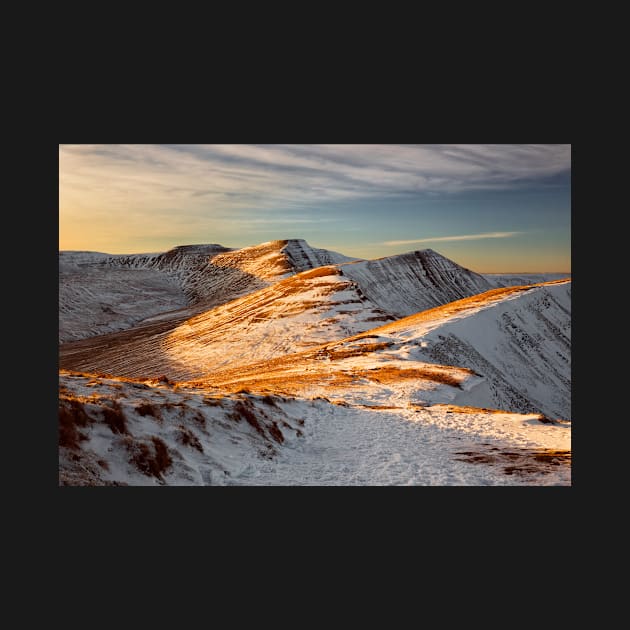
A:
(277, 177)
(227, 190)
(462, 237)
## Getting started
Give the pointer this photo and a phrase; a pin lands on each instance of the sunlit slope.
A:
(504, 349)
(301, 311)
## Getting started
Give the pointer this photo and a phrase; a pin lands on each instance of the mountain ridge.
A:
(101, 293)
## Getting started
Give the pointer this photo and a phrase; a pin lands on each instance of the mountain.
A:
(412, 282)
(214, 274)
(520, 279)
(97, 297)
(299, 311)
(518, 339)
(101, 293)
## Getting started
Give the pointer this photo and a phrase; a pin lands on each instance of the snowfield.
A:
(283, 364)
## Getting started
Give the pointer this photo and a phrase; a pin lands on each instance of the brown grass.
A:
(72, 416)
(164, 379)
(318, 272)
(522, 462)
(467, 409)
(188, 438)
(392, 374)
(213, 402)
(275, 432)
(147, 409)
(138, 382)
(199, 419)
(149, 461)
(244, 411)
(114, 418)
(278, 377)
(553, 456)
(356, 350)
(268, 400)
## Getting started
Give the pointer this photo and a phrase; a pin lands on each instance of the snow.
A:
(359, 394)
(227, 443)
(288, 314)
(349, 446)
(95, 301)
(302, 256)
(101, 293)
(324, 443)
(516, 279)
(521, 344)
(412, 282)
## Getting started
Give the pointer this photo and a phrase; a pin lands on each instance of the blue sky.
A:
(491, 208)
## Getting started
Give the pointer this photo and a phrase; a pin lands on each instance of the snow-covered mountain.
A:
(101, 293)
(300, 311)
(519, 279)
(412, 282)
(517, 339)
(215, 274)
(97, 297)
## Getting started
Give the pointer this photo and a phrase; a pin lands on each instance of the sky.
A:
(492, 208)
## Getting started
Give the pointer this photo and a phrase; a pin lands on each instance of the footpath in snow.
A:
(346, 446)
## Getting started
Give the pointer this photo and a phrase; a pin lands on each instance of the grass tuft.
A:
(114, 418)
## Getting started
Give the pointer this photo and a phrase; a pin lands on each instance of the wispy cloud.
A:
(236, 192)
(283, 176)
(461, 237)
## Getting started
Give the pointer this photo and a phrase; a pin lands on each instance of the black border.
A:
(528, 510)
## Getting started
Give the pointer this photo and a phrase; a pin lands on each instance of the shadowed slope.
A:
(412, 282)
